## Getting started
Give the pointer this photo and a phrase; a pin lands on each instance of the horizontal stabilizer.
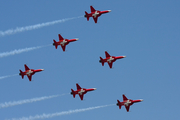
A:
(101, 61)
(73, 93)
(55, 44)
(22, 74)
(119, 104)
(86, 15)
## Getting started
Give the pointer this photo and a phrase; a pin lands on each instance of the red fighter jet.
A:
(63, 42)
(95, 14)
(29, 72)
(81, 91)
(109, 59)
(127, 102)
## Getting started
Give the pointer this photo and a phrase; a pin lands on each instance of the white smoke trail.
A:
(10, 104)
(5, 54)
(32, 27)
(43, 116)
(8, 76)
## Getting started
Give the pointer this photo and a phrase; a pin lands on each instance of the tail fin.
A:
(86, 15)
(55, 44)
(21, 73)
(73, 93)
(101, 61)
(119, 104)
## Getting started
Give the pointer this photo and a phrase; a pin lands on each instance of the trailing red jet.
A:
(109, 59)
(95, 14)
(63, 42)
(29, 72)
(127, 102)
(81, 91)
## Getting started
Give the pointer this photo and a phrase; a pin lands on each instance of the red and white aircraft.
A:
(95, 14)
(109, 59)
(81, 91)
(127, 102)
(29, 72)
(63, 42)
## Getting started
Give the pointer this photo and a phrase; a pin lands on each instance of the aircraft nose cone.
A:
(124, 56)
(77, 38)
(42, 69)
(94, 88)
(109, 10)
(141, 99)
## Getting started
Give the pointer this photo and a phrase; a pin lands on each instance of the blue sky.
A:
(147, 32)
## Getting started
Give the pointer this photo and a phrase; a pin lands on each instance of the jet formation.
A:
(29, 72)
(127, 102)
(81, 91)
(95, 14)
(109, 59)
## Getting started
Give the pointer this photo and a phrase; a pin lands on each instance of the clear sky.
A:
(147, 32)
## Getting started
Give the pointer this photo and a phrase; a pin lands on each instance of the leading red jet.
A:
(29, 72)
(63, 42)
(95, 14)
(81, 91)
(109, 59)
(127, 102)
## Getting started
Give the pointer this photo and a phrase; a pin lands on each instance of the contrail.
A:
(32, 27)
(8, 76)
(43, 116)
(10, 104)
(5, 54)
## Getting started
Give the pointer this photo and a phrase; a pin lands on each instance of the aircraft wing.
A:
(95, 19)
(29, 77)
(124, 98)
(127, 108)
(107, 54)
(63, 47)
(60, 37)
(26, 67)
(81, 96)
(92, 9)
(110, 64)
(78, 87)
